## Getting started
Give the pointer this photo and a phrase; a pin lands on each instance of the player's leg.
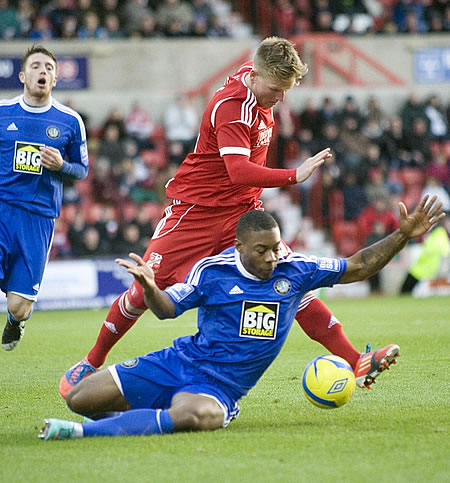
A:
(177, 244)
(19, 311)
(23, 258)
(321, 325)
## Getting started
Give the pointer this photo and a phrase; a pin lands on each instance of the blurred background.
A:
(141, 71)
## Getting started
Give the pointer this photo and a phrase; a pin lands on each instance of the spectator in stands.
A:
(130, 239)
(181, 122)
(57, 12)
(177, 10)
(140, 126)
(432, 187)
(69, 29)
(330, 136)
(322, 15)
(202, 9)
(350, 109)
(393, 143)
(75, 233)
(412, 109)
(355, 145)
(310, 117)
(106, 7)
(90, 27)
(374, 112)
(92, 244)
(410, 14)
(283, 15)
(103, 182)
(134, 11)
(199, 27)
(41, 29)
(355, 199)
(9, 20)
(439, 168)
(418, 143)
(216, 28)
(436, 117)
(113, 29)
(376, 187)
(26, 11)
(111, 145)
(286, 126)
(375, 222)
(328, 111)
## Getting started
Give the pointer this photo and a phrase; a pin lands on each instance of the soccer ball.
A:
(328, 382)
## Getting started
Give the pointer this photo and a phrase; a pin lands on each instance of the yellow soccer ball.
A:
(328, 382)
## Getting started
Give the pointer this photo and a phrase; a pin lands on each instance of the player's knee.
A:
(20, 310)
(75, 399)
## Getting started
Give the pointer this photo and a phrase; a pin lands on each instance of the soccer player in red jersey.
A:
(217, 183)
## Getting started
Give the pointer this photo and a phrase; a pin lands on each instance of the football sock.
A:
(131, 423)
(118, 322)
(17, 322)
(321, 325)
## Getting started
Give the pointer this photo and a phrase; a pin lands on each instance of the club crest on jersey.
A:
(264, 137)
(282, 286)
(27, 158)
(259, 320)
(53, 132)
(130, 363)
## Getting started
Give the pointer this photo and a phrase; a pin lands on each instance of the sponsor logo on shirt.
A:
(27, 158)
(259, 320)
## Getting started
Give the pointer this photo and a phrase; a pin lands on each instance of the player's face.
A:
(268, 92)
(259, 252)
(39, 77)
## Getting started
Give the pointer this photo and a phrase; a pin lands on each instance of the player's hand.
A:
(142, 273)
(311, 164)
(427, 213)
(51, 158)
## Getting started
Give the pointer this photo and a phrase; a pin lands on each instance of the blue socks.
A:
(131, 423)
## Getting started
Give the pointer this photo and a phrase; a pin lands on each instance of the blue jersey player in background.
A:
(41, 143)
(247, 298)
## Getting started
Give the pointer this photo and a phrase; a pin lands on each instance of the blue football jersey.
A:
(23, 131)
(243, 321)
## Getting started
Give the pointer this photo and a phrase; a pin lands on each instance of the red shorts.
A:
(187, 233)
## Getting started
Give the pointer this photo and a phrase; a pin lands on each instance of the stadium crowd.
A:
(116, 19)
(378, 159)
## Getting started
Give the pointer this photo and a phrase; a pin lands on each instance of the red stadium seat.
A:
(347, 237)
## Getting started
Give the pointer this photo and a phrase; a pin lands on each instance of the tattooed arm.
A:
(372, 259)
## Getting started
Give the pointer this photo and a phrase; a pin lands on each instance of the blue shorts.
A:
(25, 241)
(152, 381)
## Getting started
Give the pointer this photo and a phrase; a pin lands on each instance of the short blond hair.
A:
(278, 59)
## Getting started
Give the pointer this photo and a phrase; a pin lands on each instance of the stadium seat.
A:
(346, 237)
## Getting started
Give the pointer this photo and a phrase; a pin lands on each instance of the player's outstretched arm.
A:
(155, 299)
(311, 164)
(372, 259)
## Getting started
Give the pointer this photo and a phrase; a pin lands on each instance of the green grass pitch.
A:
(396, 432)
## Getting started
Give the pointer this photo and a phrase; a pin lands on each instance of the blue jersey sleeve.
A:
(325, 272)
(77, 166)
(185, 296)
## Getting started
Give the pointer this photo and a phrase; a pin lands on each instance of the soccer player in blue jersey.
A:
(247, 298)
(41, 143)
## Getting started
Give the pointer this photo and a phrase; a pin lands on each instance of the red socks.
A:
(319, 323)
(119, 320)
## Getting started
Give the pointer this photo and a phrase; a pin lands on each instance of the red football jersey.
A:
(233, 124)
